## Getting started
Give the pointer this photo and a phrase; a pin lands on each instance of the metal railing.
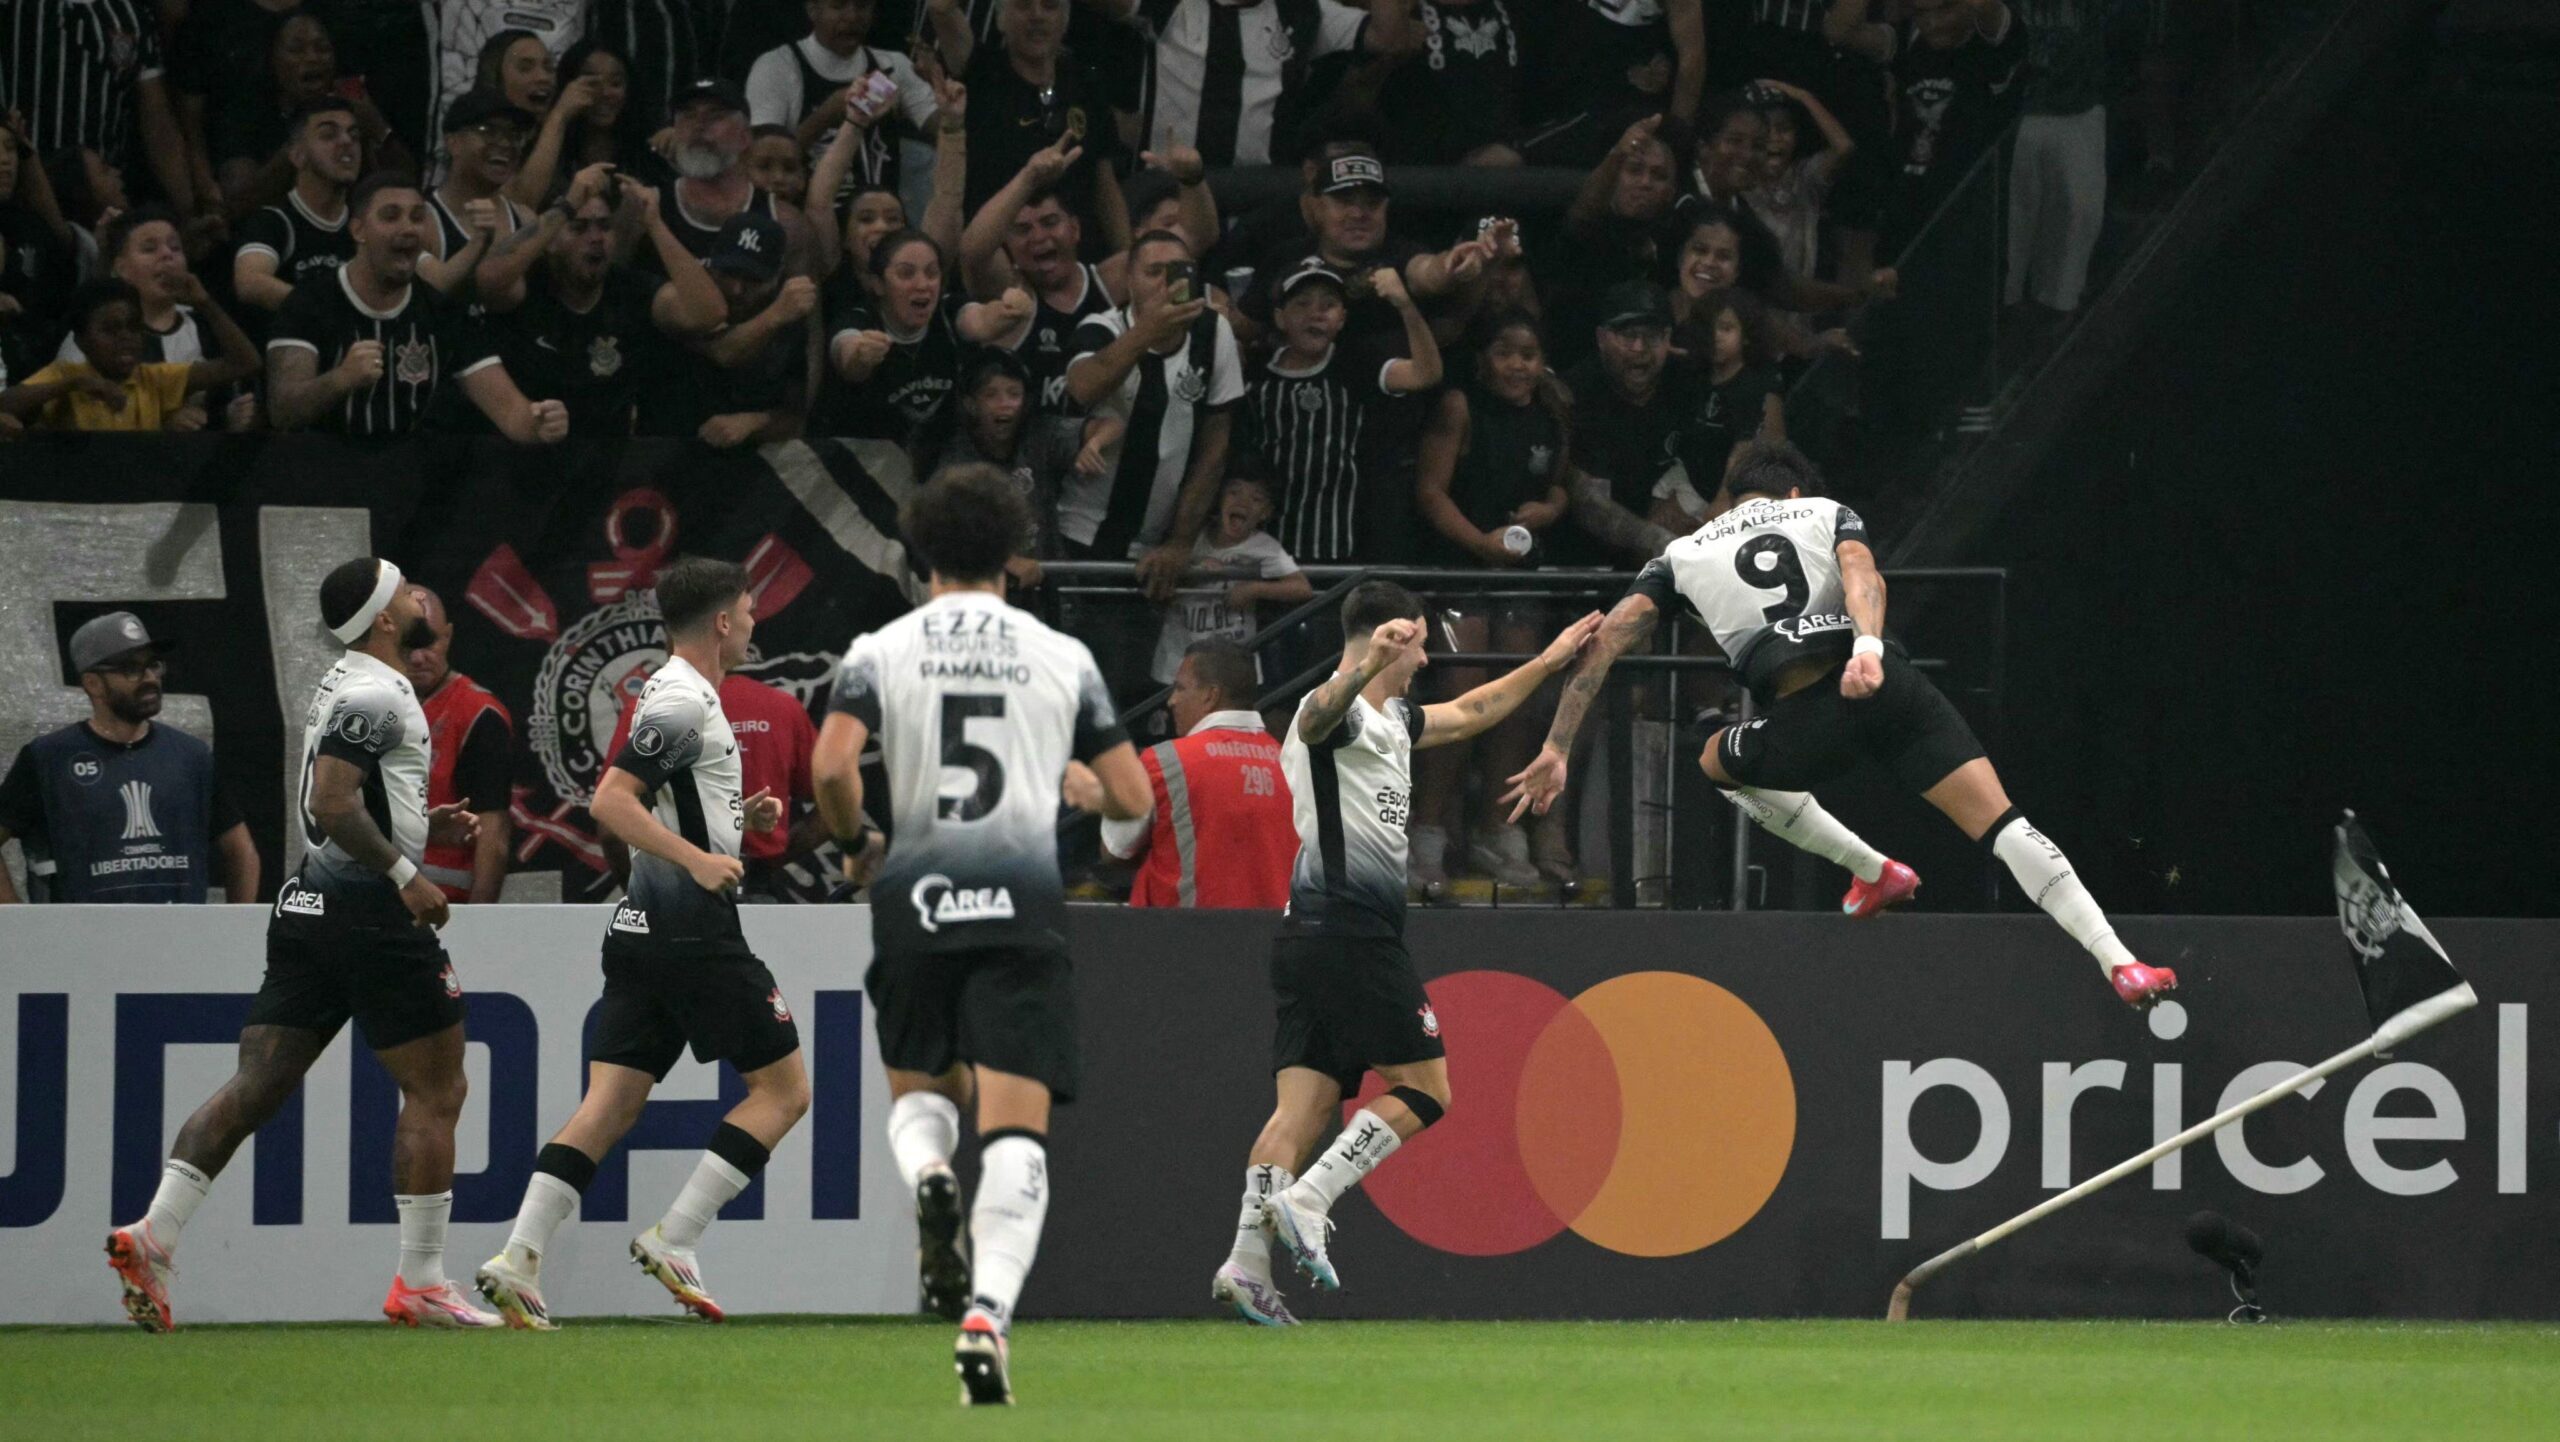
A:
(1066, 582)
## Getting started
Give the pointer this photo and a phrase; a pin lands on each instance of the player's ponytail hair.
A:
(1771, 468)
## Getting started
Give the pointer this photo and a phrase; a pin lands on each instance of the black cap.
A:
(476, 107)
(724, 93)
(1351, 167)
(110, 637)
(749, 245)
(1635, 304)
(1313, 273)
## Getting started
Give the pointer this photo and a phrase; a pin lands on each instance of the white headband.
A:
(384, 587)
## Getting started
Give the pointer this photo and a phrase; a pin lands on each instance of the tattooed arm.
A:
(1629, 626)
(1484, 707)
(1332, 700)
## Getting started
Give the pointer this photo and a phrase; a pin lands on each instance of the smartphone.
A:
(1182, 281)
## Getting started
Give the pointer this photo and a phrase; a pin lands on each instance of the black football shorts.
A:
(1349, 1003)
(1817, 735)
(713, 994)
(348, 952)
(1006, 1008)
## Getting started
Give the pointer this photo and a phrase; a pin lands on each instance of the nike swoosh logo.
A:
(544, 341)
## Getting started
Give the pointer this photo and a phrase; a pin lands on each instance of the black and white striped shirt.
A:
(73, 68)
(1804, 15)
(1131, 504)
(1309, 424)
(426, 342)
(1220, 69)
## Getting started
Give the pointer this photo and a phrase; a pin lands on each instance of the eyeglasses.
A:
(134, 670)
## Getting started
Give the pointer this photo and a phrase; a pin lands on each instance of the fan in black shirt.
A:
(1026, 93)
(749, 383)
(1628, 410)
(577, 328)
(1464, 101)
(365, 350)
(306, 233)
(1957, 66)
(1728, 346)
(900, 356)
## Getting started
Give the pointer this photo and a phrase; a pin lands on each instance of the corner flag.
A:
(2409, 984)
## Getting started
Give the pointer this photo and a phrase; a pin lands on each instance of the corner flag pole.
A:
(2408, 987)
(2416, 1019)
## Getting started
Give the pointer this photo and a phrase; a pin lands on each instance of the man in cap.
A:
(1629, 405)
(749, 385)
(484, 136)
(119, 808)
(712, 186)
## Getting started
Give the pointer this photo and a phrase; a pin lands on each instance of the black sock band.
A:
(568, 1164)
(1424, 1109)
(1991, 838)
(731, 1144)
(1039, 1139)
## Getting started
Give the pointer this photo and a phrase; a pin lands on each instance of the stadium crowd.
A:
(983, 230)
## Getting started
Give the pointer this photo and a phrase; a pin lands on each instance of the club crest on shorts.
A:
(1430, 1020)
(781, 1012)
(452, 983)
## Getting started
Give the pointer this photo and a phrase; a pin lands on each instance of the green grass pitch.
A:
(761, 1380)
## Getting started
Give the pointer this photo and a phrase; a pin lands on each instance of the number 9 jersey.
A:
(1765, 577)
(977, 708)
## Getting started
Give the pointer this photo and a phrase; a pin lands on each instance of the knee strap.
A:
(739, 1148)
(1424, 1109)
(567, 1163)
(1038, 1139)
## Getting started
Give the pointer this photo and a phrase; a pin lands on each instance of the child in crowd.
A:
(116, 389)
(1727, 339)
(1256, 568)
(1793, 185)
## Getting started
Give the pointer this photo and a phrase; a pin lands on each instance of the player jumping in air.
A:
(982, 713)
(1349, 999)
(1788, 585)
(353, 934)
(676, 964)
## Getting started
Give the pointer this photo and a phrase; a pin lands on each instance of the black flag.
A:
(2409, 984)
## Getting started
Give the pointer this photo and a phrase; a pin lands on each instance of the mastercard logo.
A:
(1652, 1115)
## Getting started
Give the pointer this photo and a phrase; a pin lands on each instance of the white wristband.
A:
(402, 871)
(1868, 646)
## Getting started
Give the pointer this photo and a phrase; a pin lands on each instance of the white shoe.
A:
(442, 1305)
(980, 1357)
(515, 1294)
(1255, 1299)
(677, 1270)
(1304, 1231)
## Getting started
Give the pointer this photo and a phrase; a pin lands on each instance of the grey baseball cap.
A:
(107, 637)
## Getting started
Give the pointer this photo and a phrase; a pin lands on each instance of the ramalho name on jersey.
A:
(1351, 794)
(978, 708)
(367, 715)
(681, 750)
(1765, 577)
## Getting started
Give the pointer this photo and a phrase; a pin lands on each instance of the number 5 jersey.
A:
(977, 707)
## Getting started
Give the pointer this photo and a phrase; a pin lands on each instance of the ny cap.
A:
(749, 245)
(108, 637)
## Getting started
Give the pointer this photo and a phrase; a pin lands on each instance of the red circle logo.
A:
(1652, 1115)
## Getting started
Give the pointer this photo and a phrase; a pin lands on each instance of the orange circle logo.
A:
(1652, 1115)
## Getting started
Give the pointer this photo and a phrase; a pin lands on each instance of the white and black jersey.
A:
(1765, 578)
(1130, 505)
(182, 344)
(427, 343)
(74, 69)
(1310, 425)
(1351, 794)
(1050, 343)
(1222, 71)
(978, 708)
(301, 243)
(789, 81)
(682, 751)
(366, 714)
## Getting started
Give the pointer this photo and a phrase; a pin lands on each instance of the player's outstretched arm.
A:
(1484, 707)
(1862, 586)
(1629, 626)
(621, 809)
(1121, 791)
(1332, 700)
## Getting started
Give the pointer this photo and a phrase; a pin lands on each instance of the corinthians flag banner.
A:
(543, 559)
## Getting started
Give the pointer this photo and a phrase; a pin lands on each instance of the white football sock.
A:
(1253, 1245)
(709, 1189)
(1004, 1225)
(1365, 1142)
(548, 1201)
(422, 1224)
(1795, 817)
(924, 1130)
(2045, 875)
(182, 1190)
